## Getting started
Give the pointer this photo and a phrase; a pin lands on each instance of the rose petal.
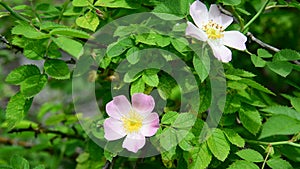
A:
(113, 129)
(150, 125)
(142, 103)
(195, 32)
(118, 107)
(134, 141)
(214, 14)
(221, 52)
(199, 13)
(226, 20)
(235, 39)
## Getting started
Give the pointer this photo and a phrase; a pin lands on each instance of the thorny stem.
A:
(274, 143)
(13, 13)
(256, 15)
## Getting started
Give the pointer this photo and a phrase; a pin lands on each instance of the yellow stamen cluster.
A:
(132, 122)
(213, 30)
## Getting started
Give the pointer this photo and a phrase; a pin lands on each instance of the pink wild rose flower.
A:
(135, 121)
(210, 26)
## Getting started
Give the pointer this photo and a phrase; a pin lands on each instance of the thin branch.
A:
(267, 46)
(106, 165)
(8, 141)
(261, 43)
(41, 130)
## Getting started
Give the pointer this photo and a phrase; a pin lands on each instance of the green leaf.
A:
(133, 4)
(178, 8)
(132, 55)
(19, 162)
(231, 2)
(186, 143)
(263, 53)
(202, 65)
(239, 72)
(283, 68)
(39, 167)
(71, 46)
(81, 3)
(243, 164)
(180, 44)
(184, 120)
(257, 61)
(165, 86)
(33, 85)
(50, 25)
(218, 144)
(234, 137)
(153, 38)
(169, 117)
(21, 73)
(278, 163)
(168, 138)
(256, 85)
(117, 48)
(286, 55)
(137, 86)
(250, 155)
(168, 157)
(296, 103)
(28, 31)
(132, 75)
(34, 50)
(236, 85)
(57, 69)
(199, 157)
(89, 21)
(283, 110)
(232, 104)
(150, 79)
(250, 119)
(70, 32)
(15, 110)
(280, 125)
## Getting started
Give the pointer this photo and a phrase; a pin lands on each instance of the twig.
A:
(261, 43)
(267, 46)
(107, 164)
(7, 141)
(40, 130)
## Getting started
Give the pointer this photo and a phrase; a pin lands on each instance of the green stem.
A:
(256, 15)
(240, 19)
(13, 13)
(265, 160)
(64, 6)
(274, 143)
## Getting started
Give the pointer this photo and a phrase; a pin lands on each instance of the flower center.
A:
(132, 122)
(213, 30)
